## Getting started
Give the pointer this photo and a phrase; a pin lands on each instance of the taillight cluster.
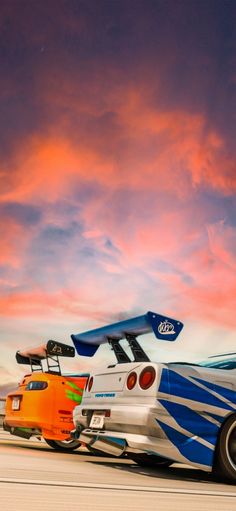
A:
(131, 380)
(89, 384)
(146, 378)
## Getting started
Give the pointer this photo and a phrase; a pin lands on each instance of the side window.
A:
(228, 365)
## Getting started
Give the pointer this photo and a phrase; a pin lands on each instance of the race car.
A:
(42, 404)
(158, 413)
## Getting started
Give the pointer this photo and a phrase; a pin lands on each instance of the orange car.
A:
(43, 403)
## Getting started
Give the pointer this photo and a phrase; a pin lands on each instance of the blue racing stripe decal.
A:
(223, 391)
(164, 383)
(192, 421)
(191, 449)
(216, 417)
(177, 385)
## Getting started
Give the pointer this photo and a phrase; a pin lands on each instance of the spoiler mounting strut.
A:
(121, 356)
(138, 352)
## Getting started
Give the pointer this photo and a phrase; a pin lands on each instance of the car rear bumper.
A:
(136, 419)
(21, 431)
(136, 429)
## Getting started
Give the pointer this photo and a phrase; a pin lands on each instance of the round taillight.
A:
(90, 383)
(147, 377)
(131, 380)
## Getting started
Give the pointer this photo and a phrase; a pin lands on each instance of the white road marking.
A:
(116, 487)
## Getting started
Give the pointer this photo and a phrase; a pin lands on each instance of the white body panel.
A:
(178, 417)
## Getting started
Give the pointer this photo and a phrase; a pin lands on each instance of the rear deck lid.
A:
(112, 380)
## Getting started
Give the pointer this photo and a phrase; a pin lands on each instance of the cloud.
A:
(183, 271)
(24, 214)
(117, 177)
(110, 230)
(222, 239)
(174, 152)
(5, 389)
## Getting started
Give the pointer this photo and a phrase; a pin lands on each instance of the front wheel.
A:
(225, 456)
(63, 445)
(150, 460)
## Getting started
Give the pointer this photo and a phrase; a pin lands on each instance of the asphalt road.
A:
(35, 477)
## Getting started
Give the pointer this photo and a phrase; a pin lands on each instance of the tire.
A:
(225, 455)
(150, 460)
(63, 445)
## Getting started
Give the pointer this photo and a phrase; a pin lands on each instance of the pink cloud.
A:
(222, 239)
(159, 157)
(196, 284)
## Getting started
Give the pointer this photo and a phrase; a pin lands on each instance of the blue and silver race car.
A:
(158, 413)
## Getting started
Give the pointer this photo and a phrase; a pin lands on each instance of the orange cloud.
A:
(194, 283)
(11, 250)
(222, 239)
(171, 151)
(155, 158)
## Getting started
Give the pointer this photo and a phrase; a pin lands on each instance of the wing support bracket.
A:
(121, 356)
(138, 352)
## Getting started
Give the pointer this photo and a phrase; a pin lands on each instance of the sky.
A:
(117, 172)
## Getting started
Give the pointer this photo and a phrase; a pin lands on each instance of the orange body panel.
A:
(47, 412)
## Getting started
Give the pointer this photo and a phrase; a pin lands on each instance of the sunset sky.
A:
(117, 171)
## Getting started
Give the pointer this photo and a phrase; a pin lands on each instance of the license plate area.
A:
(97, 420)
(15, 403)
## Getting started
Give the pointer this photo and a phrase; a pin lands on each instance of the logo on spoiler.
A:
(56, 349)
(165, 327)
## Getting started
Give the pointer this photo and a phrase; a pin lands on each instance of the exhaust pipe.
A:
(110, 445)
(75, 434)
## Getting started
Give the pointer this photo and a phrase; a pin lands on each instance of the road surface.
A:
(35, 477)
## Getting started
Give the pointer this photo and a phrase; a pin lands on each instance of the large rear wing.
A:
(164, 328)
(51, 351)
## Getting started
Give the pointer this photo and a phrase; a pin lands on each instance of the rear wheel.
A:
(63, 445)
(150, 460)
(225, 458)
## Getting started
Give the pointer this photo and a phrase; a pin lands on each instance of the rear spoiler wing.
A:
(164, 328)
(49, 351)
